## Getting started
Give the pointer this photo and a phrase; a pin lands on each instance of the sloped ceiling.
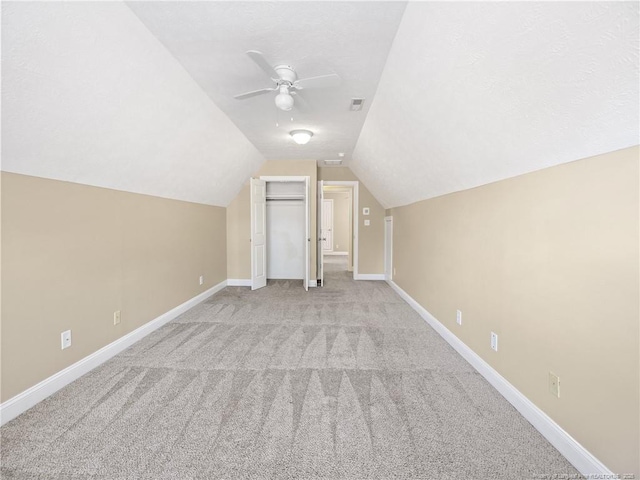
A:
(89, 95)
(476, 92)
(469, 93)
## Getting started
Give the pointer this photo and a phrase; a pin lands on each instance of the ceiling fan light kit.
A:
(286, 82)
(301, 137)
(284, 100)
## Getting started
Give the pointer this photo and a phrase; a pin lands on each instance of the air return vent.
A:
(333, 162)
(356, 104)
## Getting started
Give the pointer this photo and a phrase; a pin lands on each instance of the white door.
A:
(388, 248)
(258, 233)
(327, 225)
(307, 234)
(320, 237)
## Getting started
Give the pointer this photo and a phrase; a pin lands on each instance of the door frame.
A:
(307, 216)
(388, 249)
(355, 217)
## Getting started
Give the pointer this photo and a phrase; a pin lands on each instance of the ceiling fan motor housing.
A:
(286, 73)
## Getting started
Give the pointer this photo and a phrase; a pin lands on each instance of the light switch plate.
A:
(365, 211)
(494, 341)
(367, 223)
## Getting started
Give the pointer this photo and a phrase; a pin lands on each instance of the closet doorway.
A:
(279, 230)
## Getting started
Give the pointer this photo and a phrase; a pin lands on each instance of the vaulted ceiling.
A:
(139, 96)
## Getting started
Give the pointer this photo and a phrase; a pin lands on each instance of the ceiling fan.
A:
(286, 82)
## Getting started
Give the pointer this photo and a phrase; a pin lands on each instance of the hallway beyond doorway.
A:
(335, 263)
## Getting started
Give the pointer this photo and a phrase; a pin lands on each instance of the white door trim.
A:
(354, 202)
(388, 249)
(319, 249)
(324, 233)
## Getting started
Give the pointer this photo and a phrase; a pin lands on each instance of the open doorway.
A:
(337, 227)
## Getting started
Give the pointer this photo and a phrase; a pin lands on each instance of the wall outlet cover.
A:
(65, 339)
(116, 317)
(365, 211)
(367, 223)
(458, 317)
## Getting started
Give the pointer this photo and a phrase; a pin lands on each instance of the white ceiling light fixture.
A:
(301, 137)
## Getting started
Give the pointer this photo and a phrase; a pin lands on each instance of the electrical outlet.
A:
(65, 339)
(458, 317)
(201, 279)
(494, 341)
(367, 223)
(554, 384)
(116, 317)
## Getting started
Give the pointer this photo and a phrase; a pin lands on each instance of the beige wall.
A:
(74, 254)
(371, 238)
(239, 236)
(548, 261)
(341, 218)
(239, 216)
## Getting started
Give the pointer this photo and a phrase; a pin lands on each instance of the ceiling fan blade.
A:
(322, 81)
(300, 104)
(242, 96)
(257, 57)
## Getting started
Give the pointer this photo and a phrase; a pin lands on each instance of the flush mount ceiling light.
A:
(301, 137)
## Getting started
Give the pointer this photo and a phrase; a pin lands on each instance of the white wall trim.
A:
(336, 253)
(239, 282)
(34, 395)
(369, 276)
(313, 283)
(576, 454)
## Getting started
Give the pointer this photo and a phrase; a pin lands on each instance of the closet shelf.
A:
(285, 197)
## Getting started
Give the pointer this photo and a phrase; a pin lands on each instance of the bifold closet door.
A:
(285, 239)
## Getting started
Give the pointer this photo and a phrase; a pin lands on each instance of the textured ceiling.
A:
(90, 96)
(480, 91)
(138, 96)
(351, 39)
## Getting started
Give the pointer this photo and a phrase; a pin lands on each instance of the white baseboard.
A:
(576, 454)
(313, 283)
(369, 276)
(238, 282)
(335, 253)
(30, 397)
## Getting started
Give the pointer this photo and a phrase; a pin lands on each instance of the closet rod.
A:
(296, 199)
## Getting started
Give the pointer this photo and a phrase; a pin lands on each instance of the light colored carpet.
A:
(343, 382)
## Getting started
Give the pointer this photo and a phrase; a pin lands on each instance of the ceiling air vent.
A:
(333, 162)
(356, 104)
